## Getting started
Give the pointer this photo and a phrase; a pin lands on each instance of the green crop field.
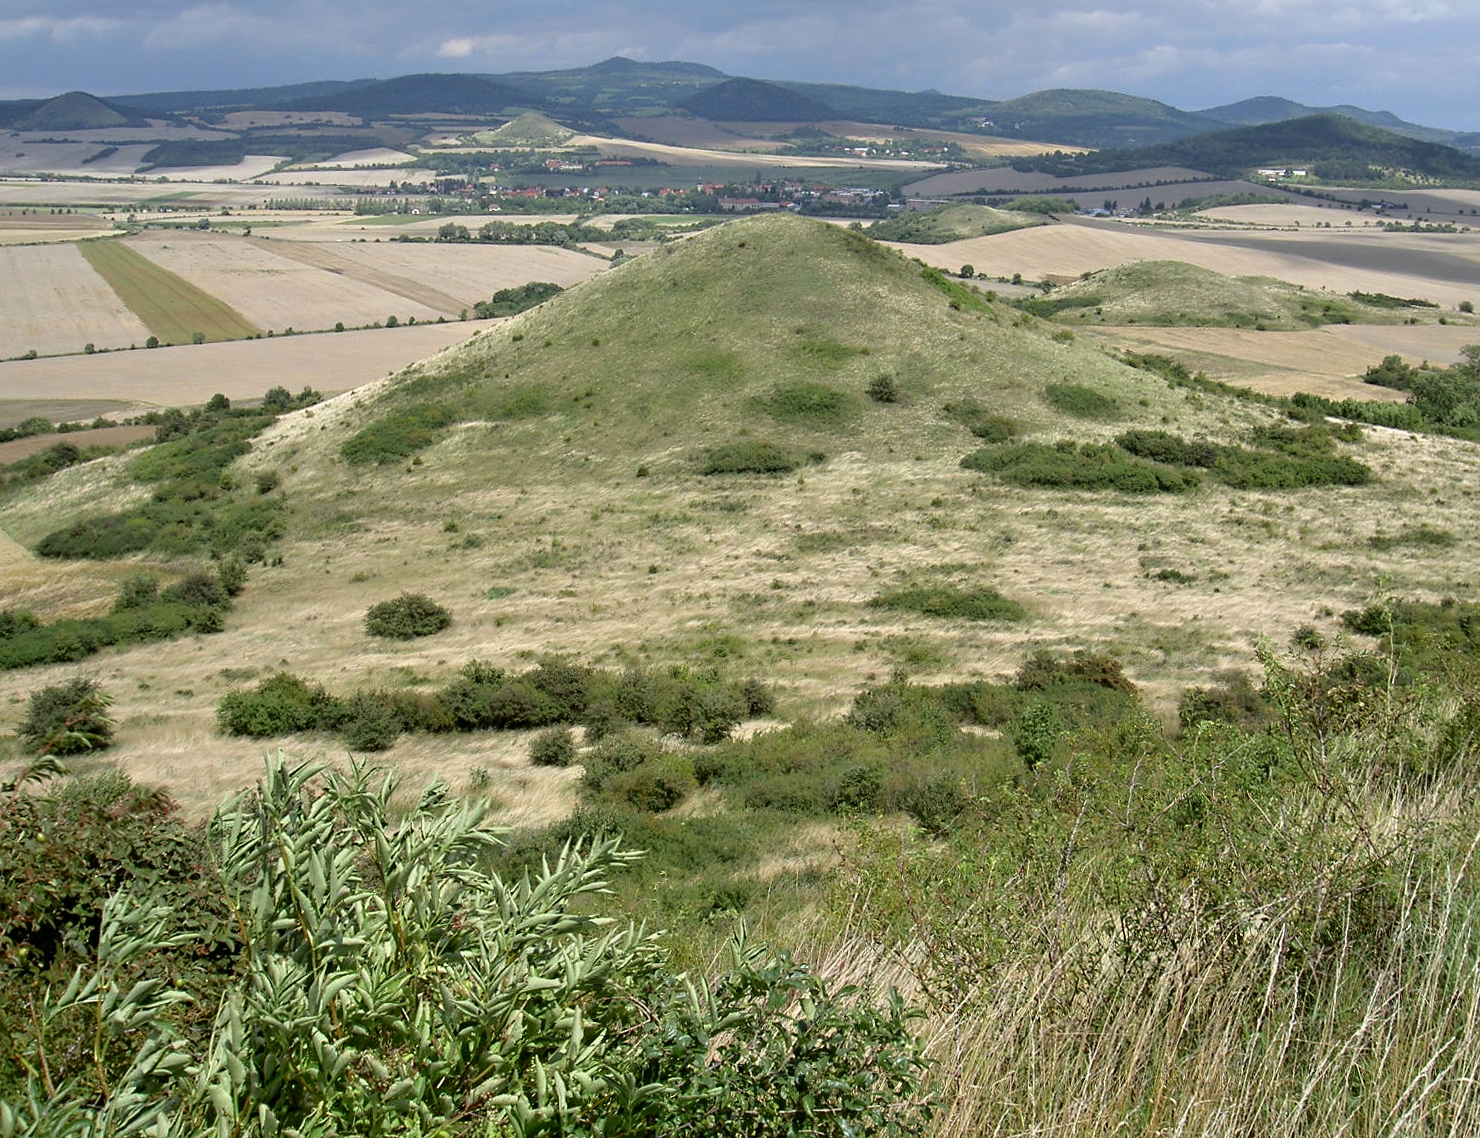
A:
(170, 306)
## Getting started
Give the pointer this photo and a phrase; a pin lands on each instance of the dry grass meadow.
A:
(53, 302)
(568, 551)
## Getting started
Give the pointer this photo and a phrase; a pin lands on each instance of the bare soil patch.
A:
(239, 369)
(690, 132)
(51, 301)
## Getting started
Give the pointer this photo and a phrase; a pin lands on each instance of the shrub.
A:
(1080, 401)
(369, 721)
(1034, 732)
(1233, 701)
(512, 301)
(805, 401)
(977, 603)
(555, 747)
(747, 458)
(399, 435)
(657, 785)
(280, 705)
(982, 422)
(67, 719)
(1044, 669)
(883, 389)
(1079, 466)
(405, 617)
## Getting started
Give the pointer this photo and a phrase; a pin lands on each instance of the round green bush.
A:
(553, 748)
(68, 719)
(406, 617)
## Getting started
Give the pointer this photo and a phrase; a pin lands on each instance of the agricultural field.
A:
(174, 310)
(274, 290)
(71, 387)
(1444, 268)
(54, 302)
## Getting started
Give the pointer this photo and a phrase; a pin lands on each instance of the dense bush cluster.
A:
(397, 436)
(143, 612)
(67, 719)
(981, 421)
(1080, 401)
(406, 617)
(1070, 465)
(195, 505)
(512, 301)
(1283, 458)
(376, 977)
(696, 704)
(748, 457)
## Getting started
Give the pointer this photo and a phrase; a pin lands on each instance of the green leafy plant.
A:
(405, 617)
(68, 719)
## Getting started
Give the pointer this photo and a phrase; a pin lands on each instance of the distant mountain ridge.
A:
(621, 87)
(1330, 146)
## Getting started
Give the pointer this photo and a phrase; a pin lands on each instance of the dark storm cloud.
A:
(1410, 56)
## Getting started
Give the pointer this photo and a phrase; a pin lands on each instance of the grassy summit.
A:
(1176, 294)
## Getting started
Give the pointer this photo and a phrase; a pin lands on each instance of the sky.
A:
(1413, 57)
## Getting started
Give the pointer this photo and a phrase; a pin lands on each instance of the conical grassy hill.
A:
(1173, 294)
(769, 329)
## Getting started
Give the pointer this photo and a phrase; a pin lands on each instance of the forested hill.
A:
(1331, 147)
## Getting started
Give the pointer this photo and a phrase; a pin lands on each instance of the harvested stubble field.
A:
(241, 369)
(51, 301)
(471, 273)
(271, 290)
(691, 156)
(171, 307)
(1444, 268)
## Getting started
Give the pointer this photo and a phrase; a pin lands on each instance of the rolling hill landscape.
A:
(1033, 593)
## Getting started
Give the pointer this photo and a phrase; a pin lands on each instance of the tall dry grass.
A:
(1338, 996)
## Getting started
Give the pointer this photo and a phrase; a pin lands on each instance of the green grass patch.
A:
(171, 307)
(1068, 465)
(1080, 401)
(748, 457)
(399, 435)
(1414, 537)
(976, 603)
(981, 421)
(806, 401)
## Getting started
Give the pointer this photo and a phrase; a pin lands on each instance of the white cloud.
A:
(60, 31)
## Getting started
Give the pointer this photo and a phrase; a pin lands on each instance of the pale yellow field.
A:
(52, 301)
(351, 178)
(21, 157)
(689, 156)
(1069, 250)
(474, 272)
(983, 146)
(376, 156)
(1287, 214)
(274, 291)
(241, 369)
(248, 168)
(1321, 361)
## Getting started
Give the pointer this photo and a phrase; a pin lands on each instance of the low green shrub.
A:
(68, 719)
(397, 436)
(948, 601)
(1421, 536)
(280, 705)
(1068, 465)
(982, 422)
(748, 457)
(805, 401)
(406, 617)
(1080, 401)
(512, 301)
(554, 747)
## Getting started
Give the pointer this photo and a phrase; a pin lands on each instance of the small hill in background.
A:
(944, 224)
(529, 129)
(750, 100)
(1330, 146)
(1092, 118)
(418, 95)
(1173, 294)
(76, 110)
(1270, 108)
